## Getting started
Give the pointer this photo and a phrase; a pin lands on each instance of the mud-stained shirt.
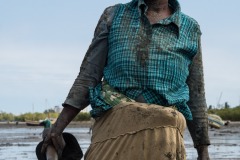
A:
(159, 63)
(149, 61)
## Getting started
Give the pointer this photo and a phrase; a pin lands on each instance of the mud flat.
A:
(18, 142)
(225, 143)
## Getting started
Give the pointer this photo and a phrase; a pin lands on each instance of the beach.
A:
(18, 142)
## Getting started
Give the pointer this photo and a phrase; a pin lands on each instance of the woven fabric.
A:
(138, 131)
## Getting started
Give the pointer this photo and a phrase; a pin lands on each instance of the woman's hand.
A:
(51, 137)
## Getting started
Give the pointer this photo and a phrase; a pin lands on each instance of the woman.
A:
(149, 54)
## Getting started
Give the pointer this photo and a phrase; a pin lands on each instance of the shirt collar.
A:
(174, 18)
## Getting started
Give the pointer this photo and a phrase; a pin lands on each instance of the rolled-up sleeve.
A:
(199, 126)
(91, 70)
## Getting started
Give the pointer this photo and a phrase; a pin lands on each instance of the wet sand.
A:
(18, 142)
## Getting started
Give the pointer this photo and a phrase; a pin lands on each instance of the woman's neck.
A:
(157, 5)
(157, 10)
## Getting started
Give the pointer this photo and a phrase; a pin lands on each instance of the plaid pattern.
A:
(149, 60)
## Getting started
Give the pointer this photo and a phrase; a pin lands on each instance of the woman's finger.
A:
(46, 142)
(58, 143)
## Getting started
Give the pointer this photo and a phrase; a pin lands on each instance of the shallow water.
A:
(20, 143)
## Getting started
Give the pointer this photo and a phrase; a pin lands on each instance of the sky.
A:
(42, 44)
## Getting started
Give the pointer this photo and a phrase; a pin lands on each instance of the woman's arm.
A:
(198, 127)
(91, 73)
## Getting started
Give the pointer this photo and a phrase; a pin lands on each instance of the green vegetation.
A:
(227, 113)
(26, 116)
(83, 116)
(6, 116)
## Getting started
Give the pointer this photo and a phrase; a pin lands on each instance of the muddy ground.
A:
(19, 141)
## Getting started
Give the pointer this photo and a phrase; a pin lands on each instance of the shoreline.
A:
(72, 124)
(82, 124)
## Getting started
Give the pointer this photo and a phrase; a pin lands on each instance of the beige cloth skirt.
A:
(138, 131)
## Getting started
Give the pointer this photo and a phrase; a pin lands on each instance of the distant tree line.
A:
(82, 116)
(226, 113)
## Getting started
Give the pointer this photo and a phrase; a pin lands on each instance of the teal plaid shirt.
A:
(147, 60)
(176, 37)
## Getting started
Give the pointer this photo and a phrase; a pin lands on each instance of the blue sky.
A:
(42, 44)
